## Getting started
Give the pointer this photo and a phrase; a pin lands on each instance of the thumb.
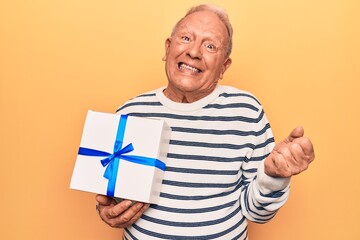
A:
(295, 133)
(104, 200)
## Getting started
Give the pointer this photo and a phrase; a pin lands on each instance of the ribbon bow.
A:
(112, 164)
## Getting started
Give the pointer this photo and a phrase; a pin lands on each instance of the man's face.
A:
(196, 54)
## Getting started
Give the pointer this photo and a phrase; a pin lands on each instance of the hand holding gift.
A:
(122, 214)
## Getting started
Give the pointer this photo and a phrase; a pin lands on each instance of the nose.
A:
(194, 51)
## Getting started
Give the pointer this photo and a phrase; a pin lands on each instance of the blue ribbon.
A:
(112, 160)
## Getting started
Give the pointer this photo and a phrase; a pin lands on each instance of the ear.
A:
(226, 65)
(167, 46)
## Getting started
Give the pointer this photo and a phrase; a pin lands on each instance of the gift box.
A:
(122, 156)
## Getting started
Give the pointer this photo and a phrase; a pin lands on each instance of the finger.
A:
(104, 200)
(283, 168)
(139, 213)
(295, 157)
(295, 133)
(297, 152)
(279, 161)
(131, 215)
(301, 162)
(306, 146)
(118, 209)
(277, 166)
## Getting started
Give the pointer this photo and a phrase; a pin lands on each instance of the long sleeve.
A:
(262, 195)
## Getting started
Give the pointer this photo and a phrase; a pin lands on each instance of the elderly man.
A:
(223, 166)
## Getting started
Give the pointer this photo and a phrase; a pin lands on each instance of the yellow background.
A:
(60, 58)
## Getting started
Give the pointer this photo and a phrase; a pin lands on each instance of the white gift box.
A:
(139, 179)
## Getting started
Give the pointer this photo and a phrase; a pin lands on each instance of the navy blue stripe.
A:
(275, 194)
(243, 231)
(192, 211)
(232, 105)
(211, 145)
(264, 144)
(205, 158)
(214, 159)
(146, 95)
(250, 170)
(255, 159)
(191, 224)
(192, 198)
(265, 204)
(260, 220)
(199, 185)
(200, 118)
(229, 95)
(221, 145)
(202, 171)
(139, 104)
(129, 233)
(209, 106)
(203, 237)
(262, 216)
(221, 132)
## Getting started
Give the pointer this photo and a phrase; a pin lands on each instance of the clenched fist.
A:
(291, 156)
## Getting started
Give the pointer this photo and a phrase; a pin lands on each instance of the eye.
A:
(210, 47)
(185, 38)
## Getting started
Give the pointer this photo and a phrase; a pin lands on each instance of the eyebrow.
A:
(207, 37)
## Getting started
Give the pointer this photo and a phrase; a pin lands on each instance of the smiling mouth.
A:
(182, 65)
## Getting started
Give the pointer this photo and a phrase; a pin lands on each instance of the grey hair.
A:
(222, 15)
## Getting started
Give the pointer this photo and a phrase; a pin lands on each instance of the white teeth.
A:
(189, 67)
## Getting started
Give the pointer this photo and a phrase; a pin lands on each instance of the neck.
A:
(181, 98)
(184, 97)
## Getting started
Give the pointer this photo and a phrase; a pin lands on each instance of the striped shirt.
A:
(214, 180)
